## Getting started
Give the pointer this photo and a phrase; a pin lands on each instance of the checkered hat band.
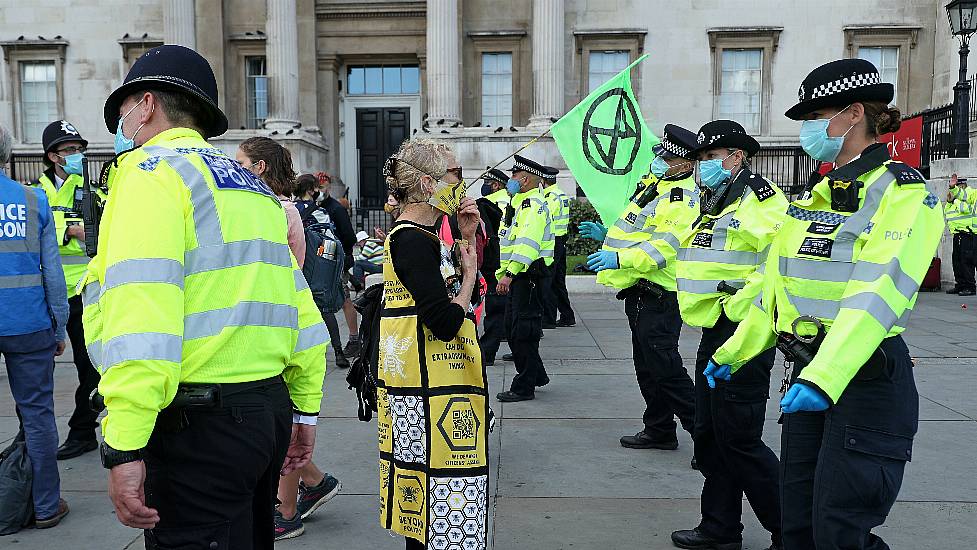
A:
(845, 84)
(525, 168)
(675, 149)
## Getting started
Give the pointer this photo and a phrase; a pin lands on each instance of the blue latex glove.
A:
(714, 371)
(801, 397)
(592, 230)
(601, 260)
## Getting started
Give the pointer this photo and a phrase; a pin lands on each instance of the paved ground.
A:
(561, 480)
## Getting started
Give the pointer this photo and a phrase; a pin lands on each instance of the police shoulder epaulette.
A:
(905, 174)
(526, 203)
(761, 187)
(677, 195)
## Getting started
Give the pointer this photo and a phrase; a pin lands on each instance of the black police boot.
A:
(564, 322)
(513, 397)
(76, 447)
(967, 292)
(642, 440)
(697, 540)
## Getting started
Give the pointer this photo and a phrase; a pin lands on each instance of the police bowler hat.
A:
(727, 134)
(171, 68)
(839, 84)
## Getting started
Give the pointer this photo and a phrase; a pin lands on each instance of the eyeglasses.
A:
(71, 150)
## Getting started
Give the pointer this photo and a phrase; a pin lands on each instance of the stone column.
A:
(282, 50)
(179, 23)
(443, 62)
(548, 63)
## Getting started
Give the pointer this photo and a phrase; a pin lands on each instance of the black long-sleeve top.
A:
(417, 262)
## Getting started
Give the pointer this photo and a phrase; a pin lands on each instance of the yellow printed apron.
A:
(432, 421)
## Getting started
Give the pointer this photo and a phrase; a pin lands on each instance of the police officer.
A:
(64, 156)
(32, 328)
(718, 277)
(638, 258)
(199, 312)
(961, 221)
(526, 253)
(491, 207)
(557, 297)
(843, 274)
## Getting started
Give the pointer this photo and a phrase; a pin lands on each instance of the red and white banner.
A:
(906, 145)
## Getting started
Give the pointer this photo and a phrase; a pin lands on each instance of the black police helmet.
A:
(171, 68)
(59, 132)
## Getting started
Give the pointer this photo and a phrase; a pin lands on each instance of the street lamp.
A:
(962, 24)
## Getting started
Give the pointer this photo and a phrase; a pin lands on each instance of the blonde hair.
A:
(414, 159)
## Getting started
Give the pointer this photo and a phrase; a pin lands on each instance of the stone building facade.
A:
(341, 82)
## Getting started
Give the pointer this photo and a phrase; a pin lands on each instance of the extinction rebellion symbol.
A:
(612, 150)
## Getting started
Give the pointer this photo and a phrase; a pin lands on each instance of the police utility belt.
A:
(798, 348)
(643, 290)
(201, 395)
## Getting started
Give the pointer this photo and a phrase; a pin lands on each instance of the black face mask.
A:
(486, 189)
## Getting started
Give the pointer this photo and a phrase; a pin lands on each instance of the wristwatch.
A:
(509, 275)
(114, 457)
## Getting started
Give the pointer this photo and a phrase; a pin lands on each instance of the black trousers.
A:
(842, 468)
(665, 384)
(546, 298)
(729, 447)
(214, 480)
(83, 420)
(527, 329)
(964, 259)
(557, 297)
(493, 324)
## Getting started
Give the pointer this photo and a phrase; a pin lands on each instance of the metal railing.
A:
(973, 99)
(937, 136)
(789, 167)
(366, 217)
(26, 167)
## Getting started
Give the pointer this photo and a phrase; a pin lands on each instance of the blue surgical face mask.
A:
(712, 174)
(122, 143)
(659, 167)
(73, 163)
(513, 186)
(817, 143)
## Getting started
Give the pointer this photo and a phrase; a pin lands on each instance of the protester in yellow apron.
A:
(431, 397)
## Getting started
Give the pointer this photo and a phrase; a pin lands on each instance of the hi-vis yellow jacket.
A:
(646, 238)
(530, 235)
(74, 260)
(559, 205)
(729, 246)
(857, 272)
(959, 212)
(194, 282)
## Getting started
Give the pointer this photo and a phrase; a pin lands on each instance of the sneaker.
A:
(288, 528)
(311, 498)
(341, 361)
(50, 522)
(352, 348)
(564, 322)
(967, 292)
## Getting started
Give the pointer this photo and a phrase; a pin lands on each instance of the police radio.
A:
(91, 212)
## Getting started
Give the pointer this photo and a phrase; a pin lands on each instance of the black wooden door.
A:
(379, 132)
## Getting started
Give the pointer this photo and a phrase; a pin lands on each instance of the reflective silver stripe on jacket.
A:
(869, 302)
(91, 292)
(67, 259)
(309, 337)
(242, 314)
(142, 346)
(21, 281)
(94, 350)
(236, 253)
(843, 248)
(653, 253)
(300, 282)
(693, 286)
(144, 270)
(672, 240)
(868, 272)
(734, 257)
(205, 219)
(816, 270)
(33, 233)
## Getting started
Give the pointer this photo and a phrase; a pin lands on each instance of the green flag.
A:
(606, 144)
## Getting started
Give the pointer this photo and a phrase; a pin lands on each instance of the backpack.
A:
(364, 369)
(16, 480)
(324, 258)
